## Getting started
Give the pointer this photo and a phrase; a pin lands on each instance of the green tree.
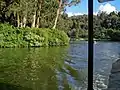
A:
(62, 4)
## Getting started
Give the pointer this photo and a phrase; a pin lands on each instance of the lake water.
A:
(56, 68)
(105, 53)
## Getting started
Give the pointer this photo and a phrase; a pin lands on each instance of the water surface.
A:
(105, 53)
(53, 68)
(56, 68)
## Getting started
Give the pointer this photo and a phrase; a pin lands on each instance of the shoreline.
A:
(84, 39)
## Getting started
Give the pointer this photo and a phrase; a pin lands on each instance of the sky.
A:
(82, 8)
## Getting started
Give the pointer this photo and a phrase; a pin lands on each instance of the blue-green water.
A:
(53, 68)
(105, 54)
(56, 68)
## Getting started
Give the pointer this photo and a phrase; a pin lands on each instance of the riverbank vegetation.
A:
(32, 15)
(105, 26)
(33, 22)
(11, 36)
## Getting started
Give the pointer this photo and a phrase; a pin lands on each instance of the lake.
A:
(56, 68)
(105, 54)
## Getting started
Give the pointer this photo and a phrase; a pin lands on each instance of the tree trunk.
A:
(38, 19)
(21, 24)
(21, 21)
(38, 22)
(34, 20)
(58, 12)
(18, 20)
(38, 12)
(24, 21)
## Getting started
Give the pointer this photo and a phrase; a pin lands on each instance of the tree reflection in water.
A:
(37, 69)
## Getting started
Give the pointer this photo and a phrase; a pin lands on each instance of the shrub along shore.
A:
(11, 36)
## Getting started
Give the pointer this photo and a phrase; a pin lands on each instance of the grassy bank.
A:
(11, 36)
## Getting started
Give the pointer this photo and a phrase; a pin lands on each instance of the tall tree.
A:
(58, 12)
(63, 4)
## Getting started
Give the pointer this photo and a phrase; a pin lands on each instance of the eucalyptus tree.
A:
(48, 12)
(39, 7)
(20, 10)
(61, 5)
(44, 13)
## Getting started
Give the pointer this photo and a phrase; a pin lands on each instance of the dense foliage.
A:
(11, 36)
(33, 13)
(107, 26)
(31, 22)
(51, 14)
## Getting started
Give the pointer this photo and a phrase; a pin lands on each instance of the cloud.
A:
(95, 13)
(108, 8)
(74, 14)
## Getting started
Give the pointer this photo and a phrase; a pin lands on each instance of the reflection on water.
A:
(54, 68)
(5, 86)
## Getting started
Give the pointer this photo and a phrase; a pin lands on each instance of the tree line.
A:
(33, 13)
(52, 14)
(105, 26)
